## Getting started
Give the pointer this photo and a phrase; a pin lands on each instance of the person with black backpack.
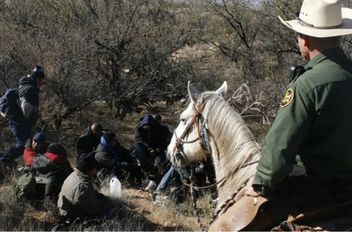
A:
(20, 107)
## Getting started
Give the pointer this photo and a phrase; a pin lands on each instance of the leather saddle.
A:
(248, 214)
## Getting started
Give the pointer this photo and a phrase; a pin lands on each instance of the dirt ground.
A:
(162, 214)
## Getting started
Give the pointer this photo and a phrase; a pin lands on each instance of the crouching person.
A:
(115, 160)
(52, 169)
(33, 148)
(43, 174)
(78, 197)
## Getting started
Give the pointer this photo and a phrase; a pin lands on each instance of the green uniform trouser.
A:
(300, 193)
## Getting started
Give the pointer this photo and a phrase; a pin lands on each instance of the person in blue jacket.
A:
(28, 107)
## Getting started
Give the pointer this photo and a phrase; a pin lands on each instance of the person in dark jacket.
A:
(151, 141)
(21, 125)
(114, 159)
(89, 139)
(52, 169)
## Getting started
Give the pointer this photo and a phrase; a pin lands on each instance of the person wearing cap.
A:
(89, 139)
(78, 197)
(313, 123)
(21, 125)
(33, 148)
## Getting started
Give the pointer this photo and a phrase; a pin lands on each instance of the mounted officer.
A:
(313, 123)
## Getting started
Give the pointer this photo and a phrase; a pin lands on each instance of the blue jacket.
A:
(28, 94)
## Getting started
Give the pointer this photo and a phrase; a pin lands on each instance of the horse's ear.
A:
(222, 90)
(193, 92)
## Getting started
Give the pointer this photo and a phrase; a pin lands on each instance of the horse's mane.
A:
(234, 147)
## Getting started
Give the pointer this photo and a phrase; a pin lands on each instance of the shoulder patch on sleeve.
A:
(288, 97)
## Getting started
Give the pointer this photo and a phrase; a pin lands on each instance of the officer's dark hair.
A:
(329, 41)
(37, 73)
(324, 42)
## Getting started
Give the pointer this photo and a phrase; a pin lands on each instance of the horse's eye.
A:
(183, 120)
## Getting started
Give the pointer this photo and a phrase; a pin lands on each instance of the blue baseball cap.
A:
(39, 137)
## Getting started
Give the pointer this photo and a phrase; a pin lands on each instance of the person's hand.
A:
(247, 190)
(157, 161)
(152, 151)
(28, 143)
(251, 192)
(124, 164)
(199, 169)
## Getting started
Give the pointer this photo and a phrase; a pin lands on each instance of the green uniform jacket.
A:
(314, 121)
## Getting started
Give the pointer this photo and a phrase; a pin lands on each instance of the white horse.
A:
(209, 125)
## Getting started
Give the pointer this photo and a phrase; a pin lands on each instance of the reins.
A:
(203, 187)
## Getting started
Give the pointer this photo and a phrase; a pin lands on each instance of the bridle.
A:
(200, 124)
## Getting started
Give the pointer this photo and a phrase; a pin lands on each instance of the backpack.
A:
(25, 187)
(9, 104)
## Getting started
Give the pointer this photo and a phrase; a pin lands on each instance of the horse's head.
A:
(190, 141)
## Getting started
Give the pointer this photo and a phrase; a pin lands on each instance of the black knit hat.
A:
(57, 149)
(86, 162)
(37, 73)
(39, 137)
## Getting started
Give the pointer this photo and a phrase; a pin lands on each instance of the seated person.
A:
(78, 197)
(201, 174)
(170, 175)
(90, 139)
(151, 141)
(33, 148)
(52, 169)
(114, 159)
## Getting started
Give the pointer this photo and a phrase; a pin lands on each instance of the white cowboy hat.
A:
(322, 18)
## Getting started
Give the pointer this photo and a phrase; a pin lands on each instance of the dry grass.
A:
(139, 214)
